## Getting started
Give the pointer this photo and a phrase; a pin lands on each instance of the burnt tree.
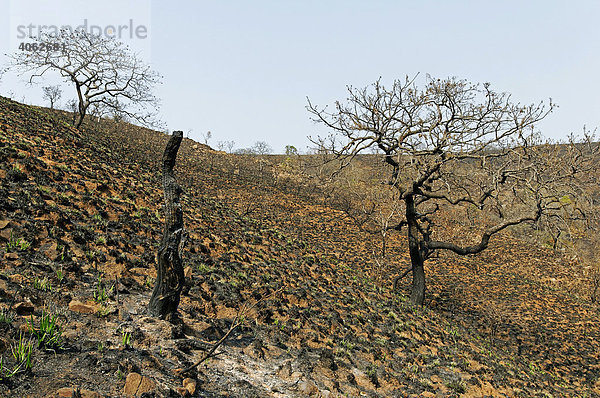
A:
(450, 149)
(170, 278)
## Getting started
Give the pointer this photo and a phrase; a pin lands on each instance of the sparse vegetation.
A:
(42, 284)
(48, 334)
(101, 293)
(491, 319)
(126, 339)
(15, 244)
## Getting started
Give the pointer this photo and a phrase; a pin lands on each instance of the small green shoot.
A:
(101, 294)
(6, 316)
(49, 333)
(14, 244)
(42, 284)
(60, 274)
(21, 351)
(126, 339)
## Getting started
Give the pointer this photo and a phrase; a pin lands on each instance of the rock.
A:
(24, 308)
(136, 384)
(50, 251)
(17, 278)
(5, 234)
(187, 272)
(72, 392)
(82, 308)
(190, 385)
(308, 388)
(66, 392)
(4, 224)
(11, 256)
(183, 391)
(428, 394)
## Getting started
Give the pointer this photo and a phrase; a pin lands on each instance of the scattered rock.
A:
(74, 392)
(5, 234)
(308, 388)
(11, 256)
(182, 391)
(190, 385)
(50, 251)
(187, 272)
(78, 306)
(24, 308)
(17, 278)
(136, 384)
(4, 224)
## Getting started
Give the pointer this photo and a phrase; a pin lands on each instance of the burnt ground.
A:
(80, 222)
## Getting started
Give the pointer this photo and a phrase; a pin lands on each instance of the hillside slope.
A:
(325, 321)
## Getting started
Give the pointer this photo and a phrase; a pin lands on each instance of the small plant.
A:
(101, 240)
(43, 189)
(204, 269)
(16, 244)
(6, 316)
(21, 351)
(371, 371)
(457, 386)
(120, 375)
(100, 347)
(126, 339)
(100, 220)
(49, 333)
(101, 295)
(42, 284)
(60, 274)
(63, 198)
(280, 325)
(149, 282)
(347, 345)
(103, 311)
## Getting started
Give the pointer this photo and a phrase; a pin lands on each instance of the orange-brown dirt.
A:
(505, 322)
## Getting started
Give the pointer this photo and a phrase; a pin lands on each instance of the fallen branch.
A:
(238, 321)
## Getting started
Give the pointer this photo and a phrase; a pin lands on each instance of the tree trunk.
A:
(417, 294)
(170, 279)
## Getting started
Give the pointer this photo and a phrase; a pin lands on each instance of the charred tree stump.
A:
(170, 278)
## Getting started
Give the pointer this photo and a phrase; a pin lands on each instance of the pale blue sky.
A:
(243, 69)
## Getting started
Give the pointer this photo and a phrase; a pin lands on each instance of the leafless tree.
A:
(52, 94)
(102, 71)
(225, 146)
(451, 146)
(206, 137)
(262, 148)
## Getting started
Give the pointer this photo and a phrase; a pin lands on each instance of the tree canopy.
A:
(104, 73)
(454, 144)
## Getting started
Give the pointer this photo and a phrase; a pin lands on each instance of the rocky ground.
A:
(80, 222)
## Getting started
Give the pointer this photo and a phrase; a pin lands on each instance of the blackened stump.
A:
(170, 278)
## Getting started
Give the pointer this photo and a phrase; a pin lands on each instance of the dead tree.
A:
(52, 94)
(170, 278)
(103, 71)
(450, 147)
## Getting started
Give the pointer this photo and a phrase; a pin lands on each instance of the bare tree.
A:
(262, 148)
(102, 71)
(225, 146)
(52, 94)
(451, 146)
(206, 137)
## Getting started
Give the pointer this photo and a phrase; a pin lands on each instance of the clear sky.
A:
(243, 69)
